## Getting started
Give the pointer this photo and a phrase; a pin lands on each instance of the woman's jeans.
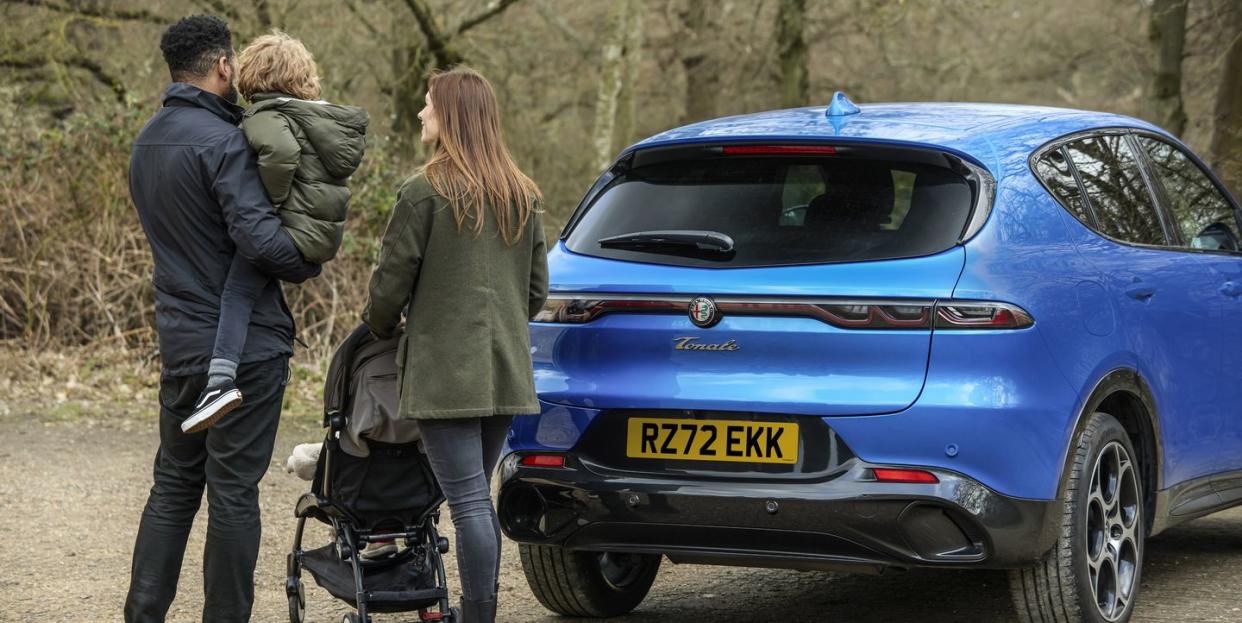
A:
(463, 453)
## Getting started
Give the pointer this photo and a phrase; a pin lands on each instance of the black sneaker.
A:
(215, 402)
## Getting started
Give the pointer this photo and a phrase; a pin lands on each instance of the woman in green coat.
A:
(464, 258)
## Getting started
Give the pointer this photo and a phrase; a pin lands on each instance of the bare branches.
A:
(440, 42)
(497, 8)
(99, 73)
(437, 41)
(362, 19)
(218, 6)
(89, 65)
(95, 11)
(558, 22)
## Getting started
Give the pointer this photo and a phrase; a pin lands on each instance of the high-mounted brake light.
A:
(912, 476)
(767, 150)
(543, 460)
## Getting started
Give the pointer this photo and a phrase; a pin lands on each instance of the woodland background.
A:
(578, 80)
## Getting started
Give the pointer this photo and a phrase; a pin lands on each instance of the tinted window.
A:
(1115, 188)
(781, 210)
(1056, 173)
(1199, 210)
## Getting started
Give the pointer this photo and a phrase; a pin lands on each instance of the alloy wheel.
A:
(1112, 530)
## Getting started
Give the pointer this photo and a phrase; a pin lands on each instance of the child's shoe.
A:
(215, 402)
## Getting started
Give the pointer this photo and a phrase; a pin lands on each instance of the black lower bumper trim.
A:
(847, 522)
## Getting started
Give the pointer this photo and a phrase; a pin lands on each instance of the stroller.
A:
(372, 487)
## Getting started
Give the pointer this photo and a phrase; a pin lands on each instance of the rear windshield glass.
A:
(778, 210)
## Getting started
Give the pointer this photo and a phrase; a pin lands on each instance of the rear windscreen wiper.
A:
(676, 241)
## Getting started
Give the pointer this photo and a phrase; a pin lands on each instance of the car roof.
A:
(996, 136)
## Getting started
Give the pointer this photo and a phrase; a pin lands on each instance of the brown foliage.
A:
(76, 267)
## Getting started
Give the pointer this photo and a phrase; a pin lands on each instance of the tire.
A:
(588, 584)
(1093, 572)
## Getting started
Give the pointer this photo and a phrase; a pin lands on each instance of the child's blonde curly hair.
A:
(277, 63)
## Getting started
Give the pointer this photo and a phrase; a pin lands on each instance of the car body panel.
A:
(782, 365)
(999, 408)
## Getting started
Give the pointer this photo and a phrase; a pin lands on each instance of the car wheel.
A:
(588, 584)
(1093, 571)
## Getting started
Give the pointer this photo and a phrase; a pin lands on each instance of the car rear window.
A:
(780, 210)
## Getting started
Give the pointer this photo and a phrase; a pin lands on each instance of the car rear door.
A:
(1166, 299)
(1206, 222)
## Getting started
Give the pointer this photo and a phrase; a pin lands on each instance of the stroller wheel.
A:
(297, 600)
(353, 617)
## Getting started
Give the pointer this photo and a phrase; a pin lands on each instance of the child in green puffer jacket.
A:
(307, 149)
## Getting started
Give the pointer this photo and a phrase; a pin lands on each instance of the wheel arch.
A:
(1125, 395)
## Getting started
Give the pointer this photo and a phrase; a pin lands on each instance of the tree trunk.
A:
(627, 105)
(702, 79)
(1226, 147)
(409, 86)
(791, 48)
(610, 80)
(1166, 30)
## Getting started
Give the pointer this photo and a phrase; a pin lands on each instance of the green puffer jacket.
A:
(307, 151)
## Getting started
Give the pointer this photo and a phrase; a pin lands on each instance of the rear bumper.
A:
(847, 522)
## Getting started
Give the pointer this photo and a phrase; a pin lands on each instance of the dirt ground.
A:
(71, 493)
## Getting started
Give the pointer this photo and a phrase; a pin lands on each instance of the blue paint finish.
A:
(971, 130)
(999, 407)
(924, 277)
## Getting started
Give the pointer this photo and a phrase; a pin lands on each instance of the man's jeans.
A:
(228, 460)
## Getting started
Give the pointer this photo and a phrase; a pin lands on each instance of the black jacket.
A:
(196, 185)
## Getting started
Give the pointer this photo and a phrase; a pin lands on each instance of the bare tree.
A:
(71, 56)
(1226, 145)
(791, 49)
(1166, 32)
(412, 60)
(611, 78)
(702, 77)
(627, 99)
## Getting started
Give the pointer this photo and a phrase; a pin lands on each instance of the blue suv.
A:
(906, 335)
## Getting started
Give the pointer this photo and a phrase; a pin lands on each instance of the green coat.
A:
(465, 348)
(307, 150)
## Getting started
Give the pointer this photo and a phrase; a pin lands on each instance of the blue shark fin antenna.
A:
(841, 106)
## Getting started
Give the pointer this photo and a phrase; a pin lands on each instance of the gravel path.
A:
(73, 494)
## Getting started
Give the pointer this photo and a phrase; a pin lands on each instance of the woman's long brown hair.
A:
(470, 165)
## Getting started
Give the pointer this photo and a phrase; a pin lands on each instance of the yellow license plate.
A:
(712, 440)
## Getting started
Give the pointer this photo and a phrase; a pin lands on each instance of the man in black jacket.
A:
(196, 186)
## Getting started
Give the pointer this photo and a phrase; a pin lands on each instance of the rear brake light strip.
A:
(851, 314)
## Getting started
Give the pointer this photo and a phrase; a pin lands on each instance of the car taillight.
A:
(543, 460)
(579, 310)
(912, 476)
(846, 314)
(975, 315)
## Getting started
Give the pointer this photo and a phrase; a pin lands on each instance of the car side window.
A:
(1115, 189)
(1055, 171)
(1199, 210)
